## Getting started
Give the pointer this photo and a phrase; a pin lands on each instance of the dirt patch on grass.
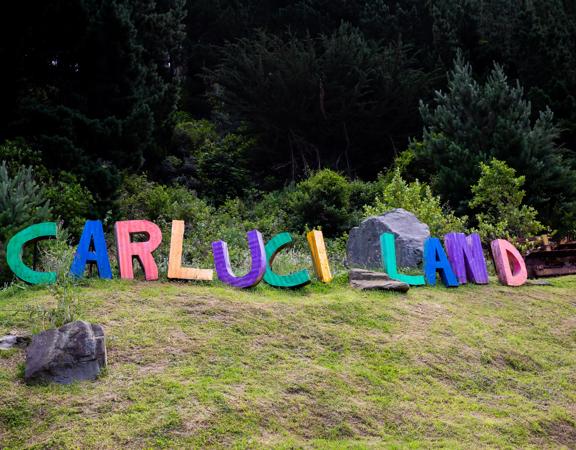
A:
(561, 432)
(516, 361)
(417, 319)
(566, 328)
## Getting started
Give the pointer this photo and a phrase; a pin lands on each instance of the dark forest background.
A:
(108, 102)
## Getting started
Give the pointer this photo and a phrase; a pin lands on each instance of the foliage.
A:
(499, 195)
(144, 199)
(215, 165)
(321, 201)
(17, 155)
(22, 203)
(71, 202)
(473, 122)
(417, 198)
(67, 308)
(336, 100)
(534, 40)
(264, 93)
(141, 198)
(92, 84)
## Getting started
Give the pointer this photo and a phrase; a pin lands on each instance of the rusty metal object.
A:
(552, 259)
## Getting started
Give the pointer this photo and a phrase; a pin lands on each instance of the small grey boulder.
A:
(73, 352)
(369, 281)
(363, 249)
(13, 341)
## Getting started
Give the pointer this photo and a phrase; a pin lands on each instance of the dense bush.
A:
(417, 198)
(499, 195)
(71, 202)
(213, 164)
(322, 201)
(144, 199)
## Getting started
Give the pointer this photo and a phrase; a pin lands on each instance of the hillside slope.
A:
(201, 366)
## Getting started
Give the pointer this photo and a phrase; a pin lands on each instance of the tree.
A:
(339, 100)
(498, 195)
(534, 40)
(474, 122)
(417, 198)
(93, 84)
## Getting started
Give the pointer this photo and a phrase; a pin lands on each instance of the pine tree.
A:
(474, 122)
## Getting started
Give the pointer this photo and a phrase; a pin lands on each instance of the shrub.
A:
(19, 155)
(499, 195)
(417, 198)
(71, 201)
(57, 255)
(143, 199)
(322, 200)
(214, 165)
(222, 167)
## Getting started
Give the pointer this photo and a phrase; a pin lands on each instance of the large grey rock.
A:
(363, 248)
(73, 352)
(369, 281)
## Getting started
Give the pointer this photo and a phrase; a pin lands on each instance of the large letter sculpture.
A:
(319, 256)
(435, 260)
(506, 255)
(467, 257)
(175, 269)
(16, 247)
(388, 253)
(294, 280)
(127, 249)
(257, 253)
(93, 235)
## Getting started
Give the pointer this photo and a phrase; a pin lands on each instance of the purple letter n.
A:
(257, 253)
(466, 257)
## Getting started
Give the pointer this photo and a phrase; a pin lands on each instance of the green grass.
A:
(195, 366)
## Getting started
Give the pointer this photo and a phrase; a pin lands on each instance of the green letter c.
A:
(16, 246)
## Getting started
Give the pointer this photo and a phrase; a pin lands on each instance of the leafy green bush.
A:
(141, 198)
(19, 155)
(417, 198)
(499, 195)
(144, 199)
(223, 168)
(71, 202)
(322, 200)
(215, 165)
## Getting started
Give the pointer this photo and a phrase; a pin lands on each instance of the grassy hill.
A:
(325, 367)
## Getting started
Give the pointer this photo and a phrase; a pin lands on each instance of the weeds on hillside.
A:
(57, 256)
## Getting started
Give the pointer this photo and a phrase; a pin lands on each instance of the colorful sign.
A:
(463, 260)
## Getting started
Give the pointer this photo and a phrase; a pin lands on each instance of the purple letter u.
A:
(257, 253)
